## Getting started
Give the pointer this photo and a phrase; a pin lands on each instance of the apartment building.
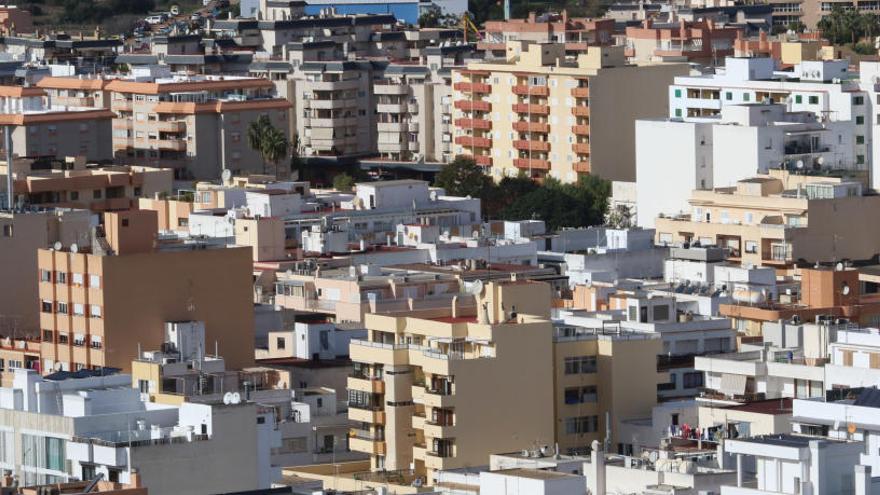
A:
(97, 189)
(576, 33)
(334, 109)
(701, 42)
(21, 235)
(534, 112)
(413, 115)
(677, 155)
(431, 387)
(43, 127)
(778, 219)
(196, 125)
(98, 306)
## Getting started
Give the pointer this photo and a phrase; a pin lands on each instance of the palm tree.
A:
(269, 141)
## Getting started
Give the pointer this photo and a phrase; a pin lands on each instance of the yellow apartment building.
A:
(98, 306)
(196, 125)
(444, 389)
(779, 219)
(535, 111)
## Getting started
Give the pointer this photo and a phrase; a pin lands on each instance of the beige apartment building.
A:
(443, 388)
(97, 189)
(42, 127)
(196, 125)
(413, 114)
(333, 108)
(780, 219)
(99, 306)
(534, 112)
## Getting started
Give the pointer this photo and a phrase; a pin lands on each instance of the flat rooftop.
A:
(535, 474)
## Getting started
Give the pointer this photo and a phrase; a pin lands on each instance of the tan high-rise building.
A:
(196, 125)
(98, 306)
(541, 113)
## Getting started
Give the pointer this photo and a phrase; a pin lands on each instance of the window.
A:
(144, 386)
(79, 309)
(678, 112)
(77, 278)
(678, 93)
(94, 311)
(860, 159)
(43, 452)
(860, 119)
(798, 99)
(62, 338)
(79, 340)
(7, 230)
(581, 424)
(46, 306)
(74, 195)
(280, 342)
(62, 308)
(746, 97)
(858, 100)
(860, 139)
(96, 341)
(97, 193)
(48, 336)
(814, 100)
(751, 247)
(61, 277)
(45, 276)
(728, 95)
(661, 313)
(580, 365)
(580, 395)
(94, 281)
(692, 379)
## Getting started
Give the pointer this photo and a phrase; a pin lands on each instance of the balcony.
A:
(470, 87)
(531, 145)
(437, 430)
(393, 108)
(170, 126)
(329, 104)
(483, 160)
(473, 106)
(581, 148)
(170, 144)
(483, 124)
(580, 111)
(531, 163)
(580, 92)
(531, 108)
(123, 105)
(541, 127)
(582, 167)
(366, 445)
(395, 127)
(581, 130)
(473, 142)
(384, 88)
(371, 385)
(363, 414)
(524, 89)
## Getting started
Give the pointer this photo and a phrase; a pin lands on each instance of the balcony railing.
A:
(581, 111)
(531, 145)
(531, 163)
(524, 89)
(531, 108)
(483, 124)
(473, 142)
(470, 87)
(581, 130)
(580, 92)
(539, 127)
(473, 106)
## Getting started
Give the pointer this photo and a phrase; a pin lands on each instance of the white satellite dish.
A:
(844, 289)
(227, 398)
(799, 164)
(476, 287)
(236, 398)
(74, 248)
(226, 176)
(57, 246)
(839, 266)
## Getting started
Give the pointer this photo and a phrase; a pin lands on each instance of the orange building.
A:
(99, 306)
(700, 41)
(15, 20)
(576, 33)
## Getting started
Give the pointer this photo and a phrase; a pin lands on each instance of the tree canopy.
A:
(517, 198)
(843, 26)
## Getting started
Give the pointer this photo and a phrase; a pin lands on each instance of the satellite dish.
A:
(654, 456)
(799, 164)
(226, 176)
(844, 289)
(74, 248)
(476, 287)
(227, 398)
(236, 398)
(839, 266)
(820, 160)
(57, 246)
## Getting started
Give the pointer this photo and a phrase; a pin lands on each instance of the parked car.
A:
(155, 19)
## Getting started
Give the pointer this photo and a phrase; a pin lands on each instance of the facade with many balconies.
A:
(532, 112)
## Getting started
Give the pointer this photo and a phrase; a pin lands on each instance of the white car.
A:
(154, 19)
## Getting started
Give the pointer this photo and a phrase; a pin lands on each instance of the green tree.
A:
(463, 177)
(270, 142)
(343, 183)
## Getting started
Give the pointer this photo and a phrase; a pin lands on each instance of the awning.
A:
(733, 384)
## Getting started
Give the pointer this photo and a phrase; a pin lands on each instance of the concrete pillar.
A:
(596, 470)
(863, 480)
(739, 470)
